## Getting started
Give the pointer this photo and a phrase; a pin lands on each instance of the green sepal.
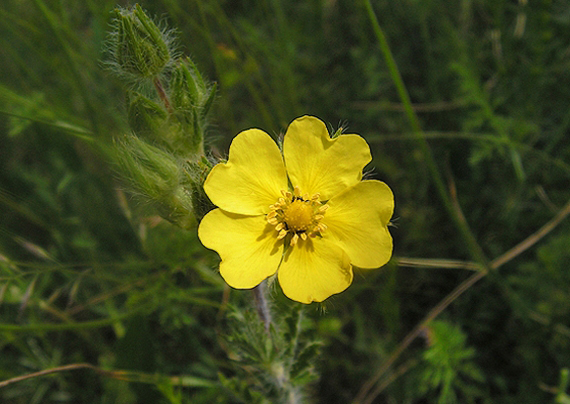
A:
(188, 90)
(209, 101)
(186, 86)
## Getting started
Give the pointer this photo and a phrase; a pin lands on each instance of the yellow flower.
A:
(304, 213)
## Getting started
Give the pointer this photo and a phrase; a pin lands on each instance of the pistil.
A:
(297, 215)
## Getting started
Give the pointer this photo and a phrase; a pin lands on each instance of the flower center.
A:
(297, 216)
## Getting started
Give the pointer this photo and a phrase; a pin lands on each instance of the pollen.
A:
(297, 216)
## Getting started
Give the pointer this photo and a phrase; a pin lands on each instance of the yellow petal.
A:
(248, 247)
(253, 177)
(317, 163)
(313, 270)
(357, 221)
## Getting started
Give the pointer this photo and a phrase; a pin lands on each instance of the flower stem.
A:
(259, 294)
(161, 93)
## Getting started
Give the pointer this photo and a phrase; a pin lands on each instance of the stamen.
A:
(299, 215)
(295, 239)
(273, 221)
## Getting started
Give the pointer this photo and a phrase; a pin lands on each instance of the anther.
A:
(294, 239)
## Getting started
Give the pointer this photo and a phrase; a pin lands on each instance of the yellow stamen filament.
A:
(297, 215)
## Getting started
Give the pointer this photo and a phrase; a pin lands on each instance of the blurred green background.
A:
(88, 275)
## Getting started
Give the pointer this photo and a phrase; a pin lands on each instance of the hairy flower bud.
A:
(188, 88)
(150, 170)
(156, 176)
(141, 49)
(191, 100)
(186, 85)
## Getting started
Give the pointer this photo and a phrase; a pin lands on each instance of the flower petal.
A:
(317, 163)
(248, 247)
(357, 221)
(313, 270)
(253, 177)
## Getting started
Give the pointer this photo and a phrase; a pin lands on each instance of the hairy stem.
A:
(161, 93)
(259, 294)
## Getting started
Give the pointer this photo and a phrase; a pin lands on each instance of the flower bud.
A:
(191, 100)
(150, 170)
(188, 89)
(186, 85)
(141, 49)
(156, 176)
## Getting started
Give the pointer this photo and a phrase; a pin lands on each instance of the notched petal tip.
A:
(358, 220)
(313, 270)
(318, 164)
(252, 178)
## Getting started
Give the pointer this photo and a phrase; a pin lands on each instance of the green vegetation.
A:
(465, 106)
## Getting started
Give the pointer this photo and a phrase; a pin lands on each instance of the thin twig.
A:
(124, 375)
(74, 366)
(533, 238)
(436, 263)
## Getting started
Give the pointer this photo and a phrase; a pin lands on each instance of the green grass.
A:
(465, 106)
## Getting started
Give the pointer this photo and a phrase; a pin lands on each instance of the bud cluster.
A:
(168, 101)
(140, 49)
